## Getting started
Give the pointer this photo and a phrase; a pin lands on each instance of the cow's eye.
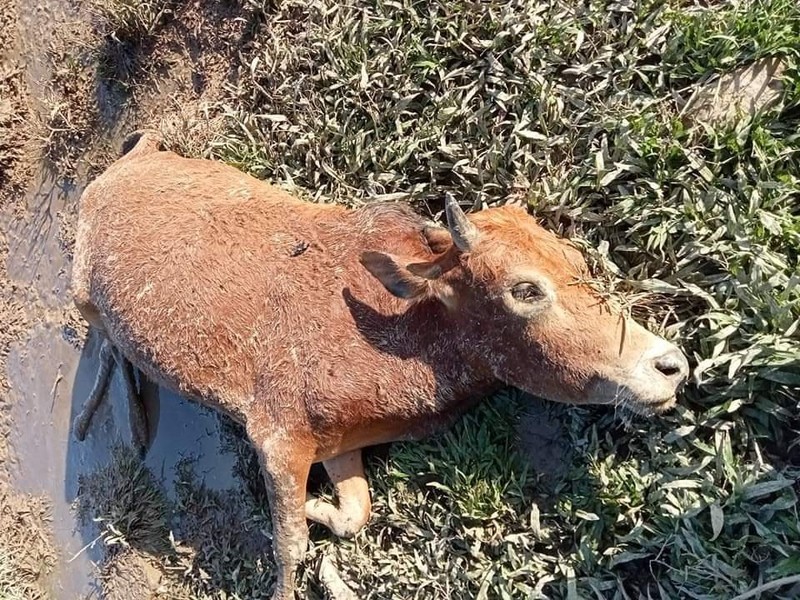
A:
(528, 292)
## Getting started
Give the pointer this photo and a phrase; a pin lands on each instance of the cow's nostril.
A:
(668, 368)
(672, 365)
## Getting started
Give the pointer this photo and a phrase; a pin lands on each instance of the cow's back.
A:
(188, 261)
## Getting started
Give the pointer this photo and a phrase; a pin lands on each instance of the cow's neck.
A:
(432, 336)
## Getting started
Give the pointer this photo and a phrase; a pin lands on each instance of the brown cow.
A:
(324, 330)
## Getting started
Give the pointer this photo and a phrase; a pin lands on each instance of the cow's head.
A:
(519, 299)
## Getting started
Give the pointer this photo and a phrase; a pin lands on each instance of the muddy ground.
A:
(62, 120)
(60, 123)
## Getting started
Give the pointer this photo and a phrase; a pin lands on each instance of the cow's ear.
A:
(438, 239)
(398, 280)
(409, 284)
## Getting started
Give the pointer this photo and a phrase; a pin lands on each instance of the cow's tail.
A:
(142, 142)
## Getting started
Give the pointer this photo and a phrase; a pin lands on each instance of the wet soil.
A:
(28, 558)
(49, 380)
(47, 362)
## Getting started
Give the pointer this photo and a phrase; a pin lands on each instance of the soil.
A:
(29, 548)
(129, 575)
(740, 93)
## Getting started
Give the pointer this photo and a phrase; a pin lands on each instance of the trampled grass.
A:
(577, 109)
(26, 555)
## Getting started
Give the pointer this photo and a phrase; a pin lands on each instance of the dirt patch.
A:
(12, 316)
(26, 551)
(14, 323)
(70, 129)
(14, 113)
(160, 67)
(740, 93)
(13, 139)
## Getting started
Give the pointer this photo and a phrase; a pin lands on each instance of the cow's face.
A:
(520, 306)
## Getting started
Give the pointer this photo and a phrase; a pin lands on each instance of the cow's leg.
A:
(286, 459)
(109, 355)
(332, 582)
(136, 410)
(352, 494)
(84, 418)
(347, 518)
(88, 310)
(106, 357)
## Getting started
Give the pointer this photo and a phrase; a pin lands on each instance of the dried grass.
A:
(26, 555)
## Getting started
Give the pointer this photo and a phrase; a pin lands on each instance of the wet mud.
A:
(52, 364)
(49, 380)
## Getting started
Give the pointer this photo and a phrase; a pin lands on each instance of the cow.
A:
(324, 329)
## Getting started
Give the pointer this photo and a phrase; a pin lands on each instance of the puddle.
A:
(50, 380)
(186, 430)
(36, 254)
(39, 373)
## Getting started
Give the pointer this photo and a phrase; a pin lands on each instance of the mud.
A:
(49, 369)
(27, 559)
(49, 380)
(128, 575)
(36, 258)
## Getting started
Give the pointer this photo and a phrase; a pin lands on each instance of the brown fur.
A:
(276, 312)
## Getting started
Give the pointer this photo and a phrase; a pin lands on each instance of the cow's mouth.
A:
(649, 408)
(641, 396)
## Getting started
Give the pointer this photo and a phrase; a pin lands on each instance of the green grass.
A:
(574, 108)
(130, 21)
(126, 502)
